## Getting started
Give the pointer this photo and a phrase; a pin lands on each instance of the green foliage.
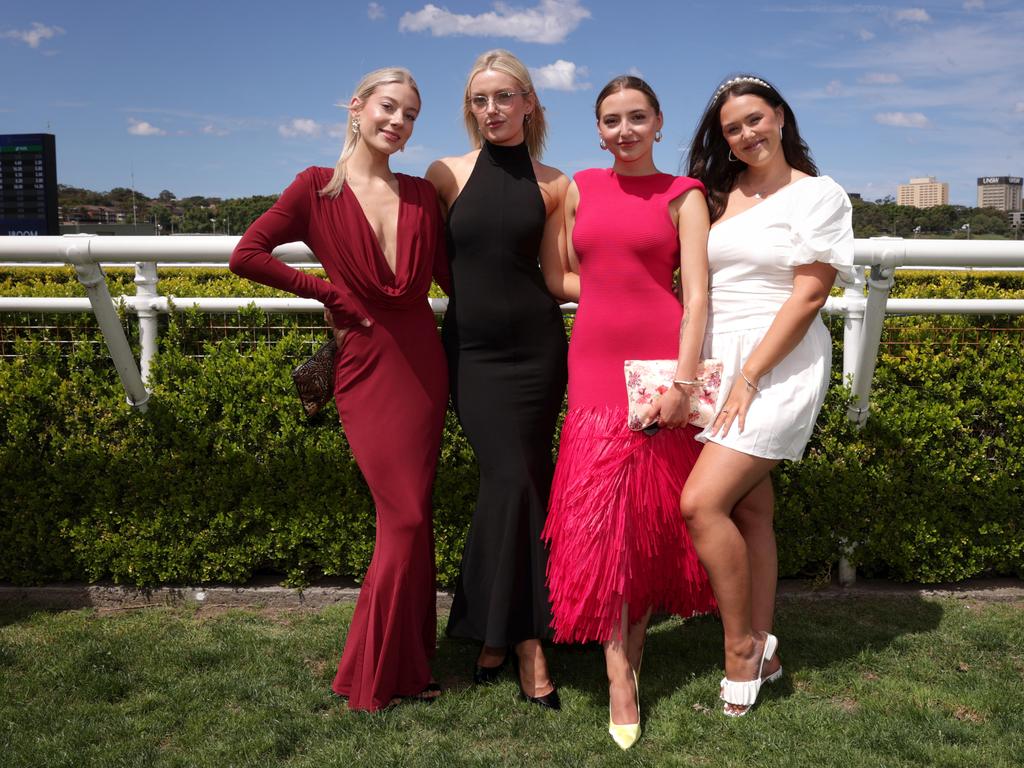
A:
(884, 217)
(222, 478)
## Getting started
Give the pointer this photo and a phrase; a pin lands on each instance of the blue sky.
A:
(230, 98)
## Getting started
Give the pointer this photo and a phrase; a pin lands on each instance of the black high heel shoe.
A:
(489, 675)
(549, 700)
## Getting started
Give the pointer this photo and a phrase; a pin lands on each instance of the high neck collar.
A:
(503, 155)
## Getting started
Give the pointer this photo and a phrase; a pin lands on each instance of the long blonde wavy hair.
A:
(370, 83)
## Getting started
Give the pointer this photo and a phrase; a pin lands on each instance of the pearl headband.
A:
(736, 81)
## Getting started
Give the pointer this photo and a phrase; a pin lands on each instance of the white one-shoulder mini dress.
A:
(752, 257)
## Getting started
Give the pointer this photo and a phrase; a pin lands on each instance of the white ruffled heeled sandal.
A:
(744, 693)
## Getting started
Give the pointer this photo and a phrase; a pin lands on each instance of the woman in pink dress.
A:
(619, 548)
(379, 237)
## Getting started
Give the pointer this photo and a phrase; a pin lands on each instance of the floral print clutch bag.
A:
(646, 380)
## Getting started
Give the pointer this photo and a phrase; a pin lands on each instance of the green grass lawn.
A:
(870, 681)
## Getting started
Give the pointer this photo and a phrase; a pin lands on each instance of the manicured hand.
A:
(735, 409)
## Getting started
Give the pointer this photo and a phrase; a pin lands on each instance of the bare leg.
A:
(637, 640)
(720, 479)
(533, 669)
(753, 516)
(621, 684)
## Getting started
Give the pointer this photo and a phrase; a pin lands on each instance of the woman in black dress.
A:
(505, 341)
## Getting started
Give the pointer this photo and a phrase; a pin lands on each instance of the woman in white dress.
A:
(779, 235)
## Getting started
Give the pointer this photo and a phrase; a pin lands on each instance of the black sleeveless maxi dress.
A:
(505, 341)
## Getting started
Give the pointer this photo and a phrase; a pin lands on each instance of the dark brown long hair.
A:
(709, 151)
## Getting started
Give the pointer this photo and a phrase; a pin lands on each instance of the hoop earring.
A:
(355, 126)
(732, 157)
(780, 132)
(657, 135)
(526, 119)
(603, 144)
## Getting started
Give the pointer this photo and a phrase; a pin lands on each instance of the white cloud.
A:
(300, 126)
(911, 14)
(1019, 108)
(834, 88)
(974, 5)
(375, 11)
(34, 36)
(560, 76)
(881, 78)
(902, 119)
(635, 72)
(142, 128)
(212, 130)
(866, 34)
(550, 21)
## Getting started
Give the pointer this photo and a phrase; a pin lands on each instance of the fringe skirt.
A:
(614, 529)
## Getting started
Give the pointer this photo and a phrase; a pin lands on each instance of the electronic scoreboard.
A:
(28, 184)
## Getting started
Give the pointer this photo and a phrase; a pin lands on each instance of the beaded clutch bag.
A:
(648, 379)
(314, 379)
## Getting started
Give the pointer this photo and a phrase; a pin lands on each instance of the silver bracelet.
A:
(750, 384)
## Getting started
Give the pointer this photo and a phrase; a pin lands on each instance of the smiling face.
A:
(386, 117)
(627, 122)
(751, 127)
(500, 124)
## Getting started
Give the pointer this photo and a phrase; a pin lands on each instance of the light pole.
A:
(967, 228)
(213, 226)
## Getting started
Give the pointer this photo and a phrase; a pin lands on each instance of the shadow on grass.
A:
(813, 635)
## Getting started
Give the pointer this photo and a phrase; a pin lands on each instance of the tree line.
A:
(208, 215)
(188, 215)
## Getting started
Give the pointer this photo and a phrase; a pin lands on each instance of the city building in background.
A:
(923, 193)
(1000, 192)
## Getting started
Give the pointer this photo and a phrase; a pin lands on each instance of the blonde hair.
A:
(535, 129)
(370, 83)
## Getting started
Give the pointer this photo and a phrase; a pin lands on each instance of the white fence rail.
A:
(864, 315)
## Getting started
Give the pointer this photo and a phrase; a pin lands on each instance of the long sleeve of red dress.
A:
(287, 221)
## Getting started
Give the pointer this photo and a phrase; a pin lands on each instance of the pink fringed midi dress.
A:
(614, 528)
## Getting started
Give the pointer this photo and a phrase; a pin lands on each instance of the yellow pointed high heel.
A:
(626, 735)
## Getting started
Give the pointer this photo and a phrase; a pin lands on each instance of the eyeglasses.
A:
(502, 100)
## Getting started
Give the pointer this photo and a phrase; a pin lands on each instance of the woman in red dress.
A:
(379, 237)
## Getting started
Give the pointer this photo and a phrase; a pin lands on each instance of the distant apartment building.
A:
(923, 193)
(1000, 192)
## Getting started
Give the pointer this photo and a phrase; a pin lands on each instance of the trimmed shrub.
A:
(222, 477)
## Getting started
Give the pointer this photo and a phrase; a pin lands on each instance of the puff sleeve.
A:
(821, 225)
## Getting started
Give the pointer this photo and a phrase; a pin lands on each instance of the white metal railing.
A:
(863, 316)
(877, 259)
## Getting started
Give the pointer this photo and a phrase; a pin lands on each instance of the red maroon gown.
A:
(391, 390)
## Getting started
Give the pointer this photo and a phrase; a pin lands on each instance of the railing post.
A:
(91, 276)
(880, 284)
(853, 322)
(145, 291)
(853, 332)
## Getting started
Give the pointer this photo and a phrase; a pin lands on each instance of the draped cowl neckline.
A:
(363, 262)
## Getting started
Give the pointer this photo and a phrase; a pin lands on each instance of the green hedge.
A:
(222, 478)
